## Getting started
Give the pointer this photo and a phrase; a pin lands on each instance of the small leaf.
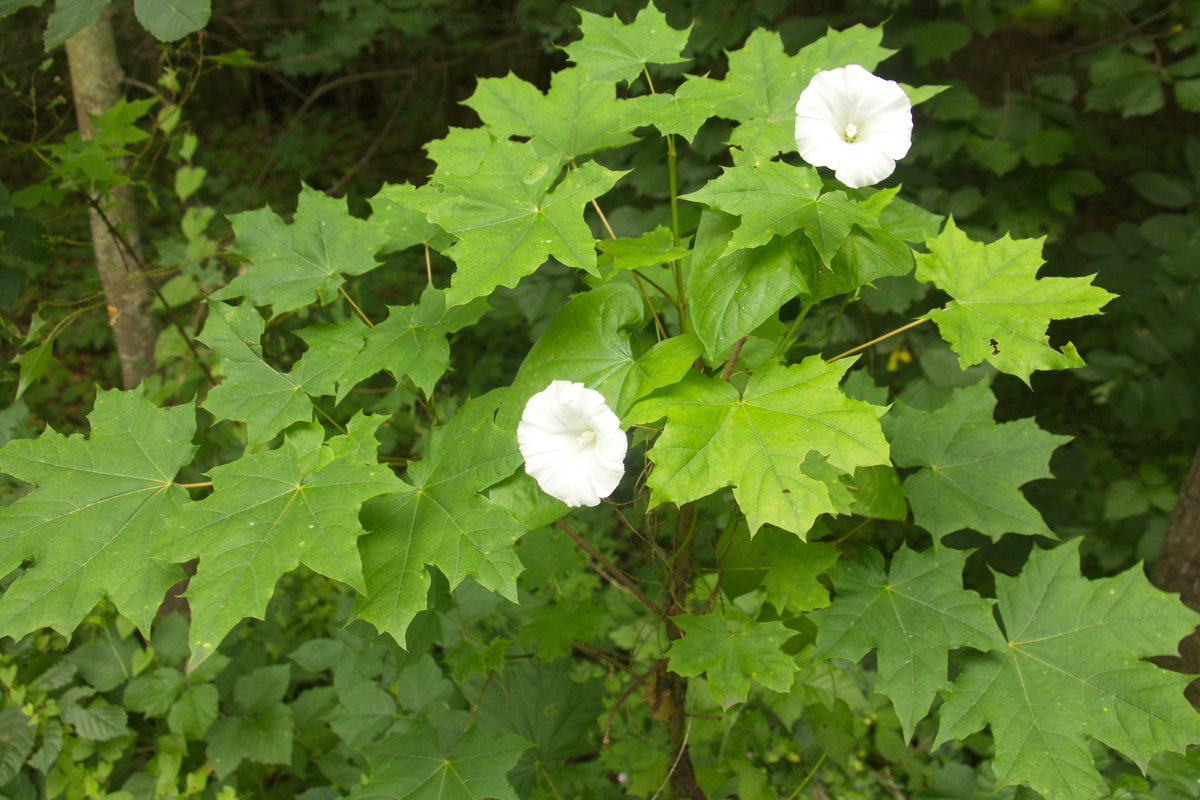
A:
(101, 721)
(265, 738)
(418, 765)
(170, 20)
(194, 711)
(732, 650)
(16, 742)
(613, 51)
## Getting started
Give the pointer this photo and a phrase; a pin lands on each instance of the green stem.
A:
(785, 343)
(676, 265)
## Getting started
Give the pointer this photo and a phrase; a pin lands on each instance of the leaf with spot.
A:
(784, 443)
(509, 220)
(440, 518)
(972, 467)
(912, 614)
(420, 765)
(775, 199)
(613, 51)
(1072, 667)
(268, 514)
(731, 650)
(256, 393)
(1000, 309)
(575, 117)
(90, 524)
(293, 265)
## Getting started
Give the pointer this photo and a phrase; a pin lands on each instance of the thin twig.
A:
(618, 577)
(354, 305)
(633, 686)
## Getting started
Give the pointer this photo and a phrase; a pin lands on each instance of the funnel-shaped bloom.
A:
(855, 123)
(572, 443)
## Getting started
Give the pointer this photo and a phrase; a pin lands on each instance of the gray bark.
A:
(1178, 570)
(96, 86)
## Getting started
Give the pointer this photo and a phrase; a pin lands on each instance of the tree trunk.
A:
(96, 86)
(1178, 570)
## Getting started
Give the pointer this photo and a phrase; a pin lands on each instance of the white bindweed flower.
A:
(572, 443)
(855, 123)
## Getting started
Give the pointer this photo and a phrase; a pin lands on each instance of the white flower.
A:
(572, 443)
(854, 122)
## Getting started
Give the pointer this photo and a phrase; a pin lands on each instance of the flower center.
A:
(587, 437)
(850, 134)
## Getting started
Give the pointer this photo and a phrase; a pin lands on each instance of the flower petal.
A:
(868, 166)
(572, 443)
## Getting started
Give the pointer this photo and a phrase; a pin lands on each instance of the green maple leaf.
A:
(767, 82)
(394, 211)
(613, 51)
(588, 342)
(775, 199)
(90, 524)
(783, 443)
(1000, 308)
(294, 265)
(912, 614)
(268, 514)
(575, 117)
(411, 342)
(1072, 667)
(973, 466)
(442, 519)
(731, 650)
(418, 765)
(509, 221)
(693, 103)
(256, 393)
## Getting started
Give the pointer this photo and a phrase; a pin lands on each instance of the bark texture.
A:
(96, 86)
(1178, 570)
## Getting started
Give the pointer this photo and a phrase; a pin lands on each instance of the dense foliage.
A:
(822, 572)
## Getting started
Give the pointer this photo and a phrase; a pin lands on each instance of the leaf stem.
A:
(199, 485)
(354, 305)
(877, 339)
(733, 357)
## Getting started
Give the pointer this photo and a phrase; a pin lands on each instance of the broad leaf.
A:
(90, 525)
(442, 520)
(293, 265)
(509, 221)
(731, 650)
(775, 199)
(575, 117)
(613, 51)
(1000, 309)
(268, 514)
(170, 20)
(418, 765)
(1072, 668)
(912, 614)
(731, 295)
(783, 443)
(973, 467)
(787, 569)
